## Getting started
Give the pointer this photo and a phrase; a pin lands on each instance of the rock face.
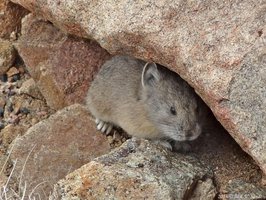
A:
(10, 132)
(136, 170)
(54, 147)
(7, 55)
(10, 18)
(205, 190)
(239, 189)
(30, 88)
(62, 66)
(218, 47)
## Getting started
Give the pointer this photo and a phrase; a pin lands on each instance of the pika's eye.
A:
(172, 110)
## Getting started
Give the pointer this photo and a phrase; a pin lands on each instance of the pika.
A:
(144, 99)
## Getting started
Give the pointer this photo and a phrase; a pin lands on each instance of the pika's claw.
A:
(97, 121)
(100, 125)
(104, 127)
(109, 129)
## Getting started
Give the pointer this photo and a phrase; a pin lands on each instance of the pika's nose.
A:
(193, 133)
(189, 135)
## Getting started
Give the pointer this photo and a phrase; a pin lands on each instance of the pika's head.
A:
(170, 102)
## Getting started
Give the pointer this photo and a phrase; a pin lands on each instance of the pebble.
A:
(19, 84)
(10, 107)
(11, 93)
(15, 78)
(24, 110)
(42, 113)
(13, 119)
(13, 36)
(34, 121)
(2, 125)
(2, 101)
(110, 139)
(1, 112)
(21, 69)
(116, 136)
(12, 71)
(3, 78)
(17, 107)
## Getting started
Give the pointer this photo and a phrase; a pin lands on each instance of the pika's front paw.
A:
(182, 147)
(163, 143)
(104, 127)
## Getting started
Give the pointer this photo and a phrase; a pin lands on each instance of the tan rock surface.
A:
(7, 55)
(30, 88)
(62, 66)
(54, 147)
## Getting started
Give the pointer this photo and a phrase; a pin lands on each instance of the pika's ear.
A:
(150, 74)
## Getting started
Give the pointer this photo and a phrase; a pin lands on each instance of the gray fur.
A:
(138, 97)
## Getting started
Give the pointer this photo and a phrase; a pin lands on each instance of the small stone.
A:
(3, 78)
(205, 190)
(11, 93)
(15, 78)
(19, 83)
(42, 113)
(110, 139)
(34, 121)
(24, 110)
(12, 71)
(13, 119)
(10, 107)
(13, 36)
(140, 165)
(7, 55)
(1, 112)
(2, 101)
(10, 132)
(30, 88)
(21, 69)
(17, 106)
(2, 125)
(3, 180)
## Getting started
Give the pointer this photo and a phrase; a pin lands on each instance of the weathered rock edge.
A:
(136, 170)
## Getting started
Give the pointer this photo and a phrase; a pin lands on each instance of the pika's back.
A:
(118, 79)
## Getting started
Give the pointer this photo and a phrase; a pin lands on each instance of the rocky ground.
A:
(22, 106)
